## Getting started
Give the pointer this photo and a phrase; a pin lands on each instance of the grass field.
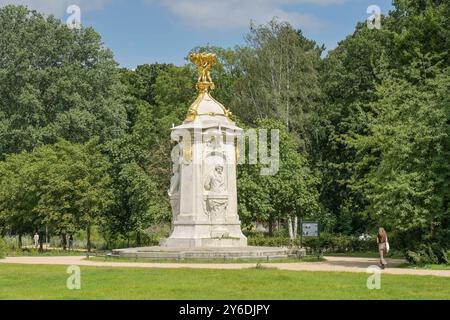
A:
(428, 266)
(49, 282)
(47, 253)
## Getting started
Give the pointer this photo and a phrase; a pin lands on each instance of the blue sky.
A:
(148, 31)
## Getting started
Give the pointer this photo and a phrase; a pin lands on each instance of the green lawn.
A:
(49, 282)
(427, 266)
(47, 253)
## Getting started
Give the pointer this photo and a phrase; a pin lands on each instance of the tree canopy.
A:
(55, 83)
(364, 130)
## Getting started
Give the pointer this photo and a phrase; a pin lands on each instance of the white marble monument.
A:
(203, 187)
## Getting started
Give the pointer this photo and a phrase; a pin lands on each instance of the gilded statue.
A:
(204, 63)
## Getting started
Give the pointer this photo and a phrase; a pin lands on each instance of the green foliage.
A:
(140, 82)
(141, 166)
(54, 83)
(292, 191)
(403, 163)
(348, 81)
(279, 69)
(364, 132)
(63, 187)
(167, 97)
(330, 243)
(385, 156)
(428, 254)
(3, 248)
(406, 150)
(260, 240)
(136, 205)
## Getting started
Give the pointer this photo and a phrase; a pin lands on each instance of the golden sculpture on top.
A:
(204, 62)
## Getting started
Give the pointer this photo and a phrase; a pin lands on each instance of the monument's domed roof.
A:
(208, 105)
(205, 107)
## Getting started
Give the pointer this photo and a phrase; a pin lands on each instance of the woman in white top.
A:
(383, 246)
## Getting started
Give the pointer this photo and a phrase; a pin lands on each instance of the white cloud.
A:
(238, 13)
(57, 7)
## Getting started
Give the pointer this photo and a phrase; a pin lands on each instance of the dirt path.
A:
(332, 264)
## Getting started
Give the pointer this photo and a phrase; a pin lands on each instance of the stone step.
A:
(243, 253)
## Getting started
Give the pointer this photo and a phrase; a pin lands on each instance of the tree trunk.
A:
(291, 232)
(295, 227)
(287, 106)
(20, 242)
(88, 235)
(138, 238)
(270, 226)
(41, 243)
(64, 241)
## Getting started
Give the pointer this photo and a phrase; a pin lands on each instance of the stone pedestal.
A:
(208, 253)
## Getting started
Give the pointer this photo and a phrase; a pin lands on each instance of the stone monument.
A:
(205, 221)
(203, 187)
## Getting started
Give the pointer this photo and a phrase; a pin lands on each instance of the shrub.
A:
(260, 240)
(3, 248)
(428, 254)
(326, 242)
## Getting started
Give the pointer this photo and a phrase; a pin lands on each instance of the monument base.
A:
(204, 243)
(216, 253)
(205, 235)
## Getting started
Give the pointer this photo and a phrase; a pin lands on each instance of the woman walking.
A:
(383, 246)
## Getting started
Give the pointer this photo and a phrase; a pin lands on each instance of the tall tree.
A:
(54, 83)
(287, 193)
(141, 166)
(348, 80)
(406, 149)
(409, 48)
(63, 187)
(280, 68)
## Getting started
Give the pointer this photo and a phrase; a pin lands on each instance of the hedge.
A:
(326, 242)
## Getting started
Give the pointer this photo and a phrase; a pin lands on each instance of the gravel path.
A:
(333, 264)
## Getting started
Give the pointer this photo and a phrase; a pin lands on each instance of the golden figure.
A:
(204, 63)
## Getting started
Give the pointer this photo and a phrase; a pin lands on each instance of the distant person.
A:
(70, 242)
(36, 240)
(383, 246)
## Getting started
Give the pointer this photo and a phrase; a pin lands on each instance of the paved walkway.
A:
(332, 264)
